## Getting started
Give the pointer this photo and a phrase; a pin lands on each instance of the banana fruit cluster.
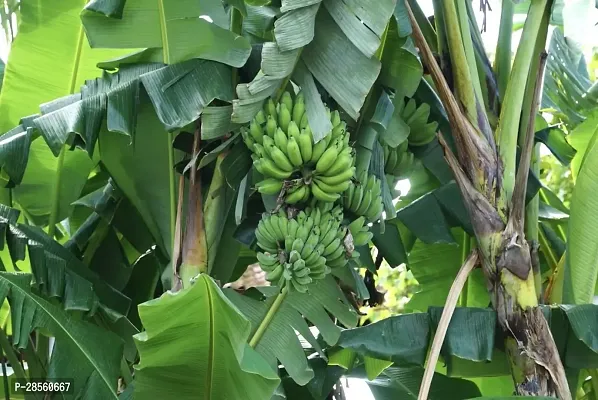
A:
(360, 233)
(284, 152)
(302, 249)
(398, 161)
(421, 132)
(364, 198)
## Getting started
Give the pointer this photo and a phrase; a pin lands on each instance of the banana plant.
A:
(154, 150)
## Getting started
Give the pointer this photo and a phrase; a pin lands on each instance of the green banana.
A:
(272, 223)
(293, 226)
(297, 245)
(335, 118)
(280, 140)
(337, 252)
(365, 203)
(305, 145)
(288, 243)
(322, 195)
(284, 117)
(275, 273)
(271, 126)
(270, 108)
(269, 186)
(267, 259)
(294, 256)
(298, 109)
(362, 238)
(297, 195)
(294, 152)
(268, 168)
(327, 159)
(332, 247)
(264, 226)
(293, 130)
(256, 132)
(356, 198)
(280, 159)
(283, 223)
(338, 188)
(374, 212)
(340, 165)
(287, 100)
(356, 225)
(304, 122)
(260, 117)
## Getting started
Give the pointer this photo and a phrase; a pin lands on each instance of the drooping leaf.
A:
(335, 41)
(82, 352)
(45, 25)
(199, 333)
(583, 139)
(171, 26)
(565, 85)
(556, 141)
(56, 271)
(280, 341)
(581, 271)
(404, 383)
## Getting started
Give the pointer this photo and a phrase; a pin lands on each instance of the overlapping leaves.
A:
(280, 342)
(332, 41)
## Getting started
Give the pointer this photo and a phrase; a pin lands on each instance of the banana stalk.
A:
(194, 246)
(498, 226)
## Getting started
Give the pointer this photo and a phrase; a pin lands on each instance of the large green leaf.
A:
(179, 28)
(82, 352)
(469, 343)
(435, 267)
(195, 346)
(335, 39)
(280, 341)
(57, 272)
(144, 171)
(566, 81)
(581, 270)
(404, 382)
(49, 58)
(583, 138)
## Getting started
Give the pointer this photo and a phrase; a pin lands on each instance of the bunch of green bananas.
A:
(301, 249)
(364, 198)
(398, 161)
(284, 152)
(421, 131)
(360, 232)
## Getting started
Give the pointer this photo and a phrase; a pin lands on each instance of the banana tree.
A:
(154, 150)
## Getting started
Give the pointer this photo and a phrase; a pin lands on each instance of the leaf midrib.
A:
(51, 315)
(162, 16)
(211, 341)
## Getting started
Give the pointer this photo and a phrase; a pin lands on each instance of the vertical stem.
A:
(261, 329)
(532, 209)
(194, 242)
(506, 134)
(502, 60)
(469, 52)
(125, 371)
(236, 26)
(56, 193)
(172, 189)
(465, 250)
(461, 71)
(6, 383)
(424, 24)
(11, 355)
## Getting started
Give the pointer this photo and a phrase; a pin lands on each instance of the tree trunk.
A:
(497, 219)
